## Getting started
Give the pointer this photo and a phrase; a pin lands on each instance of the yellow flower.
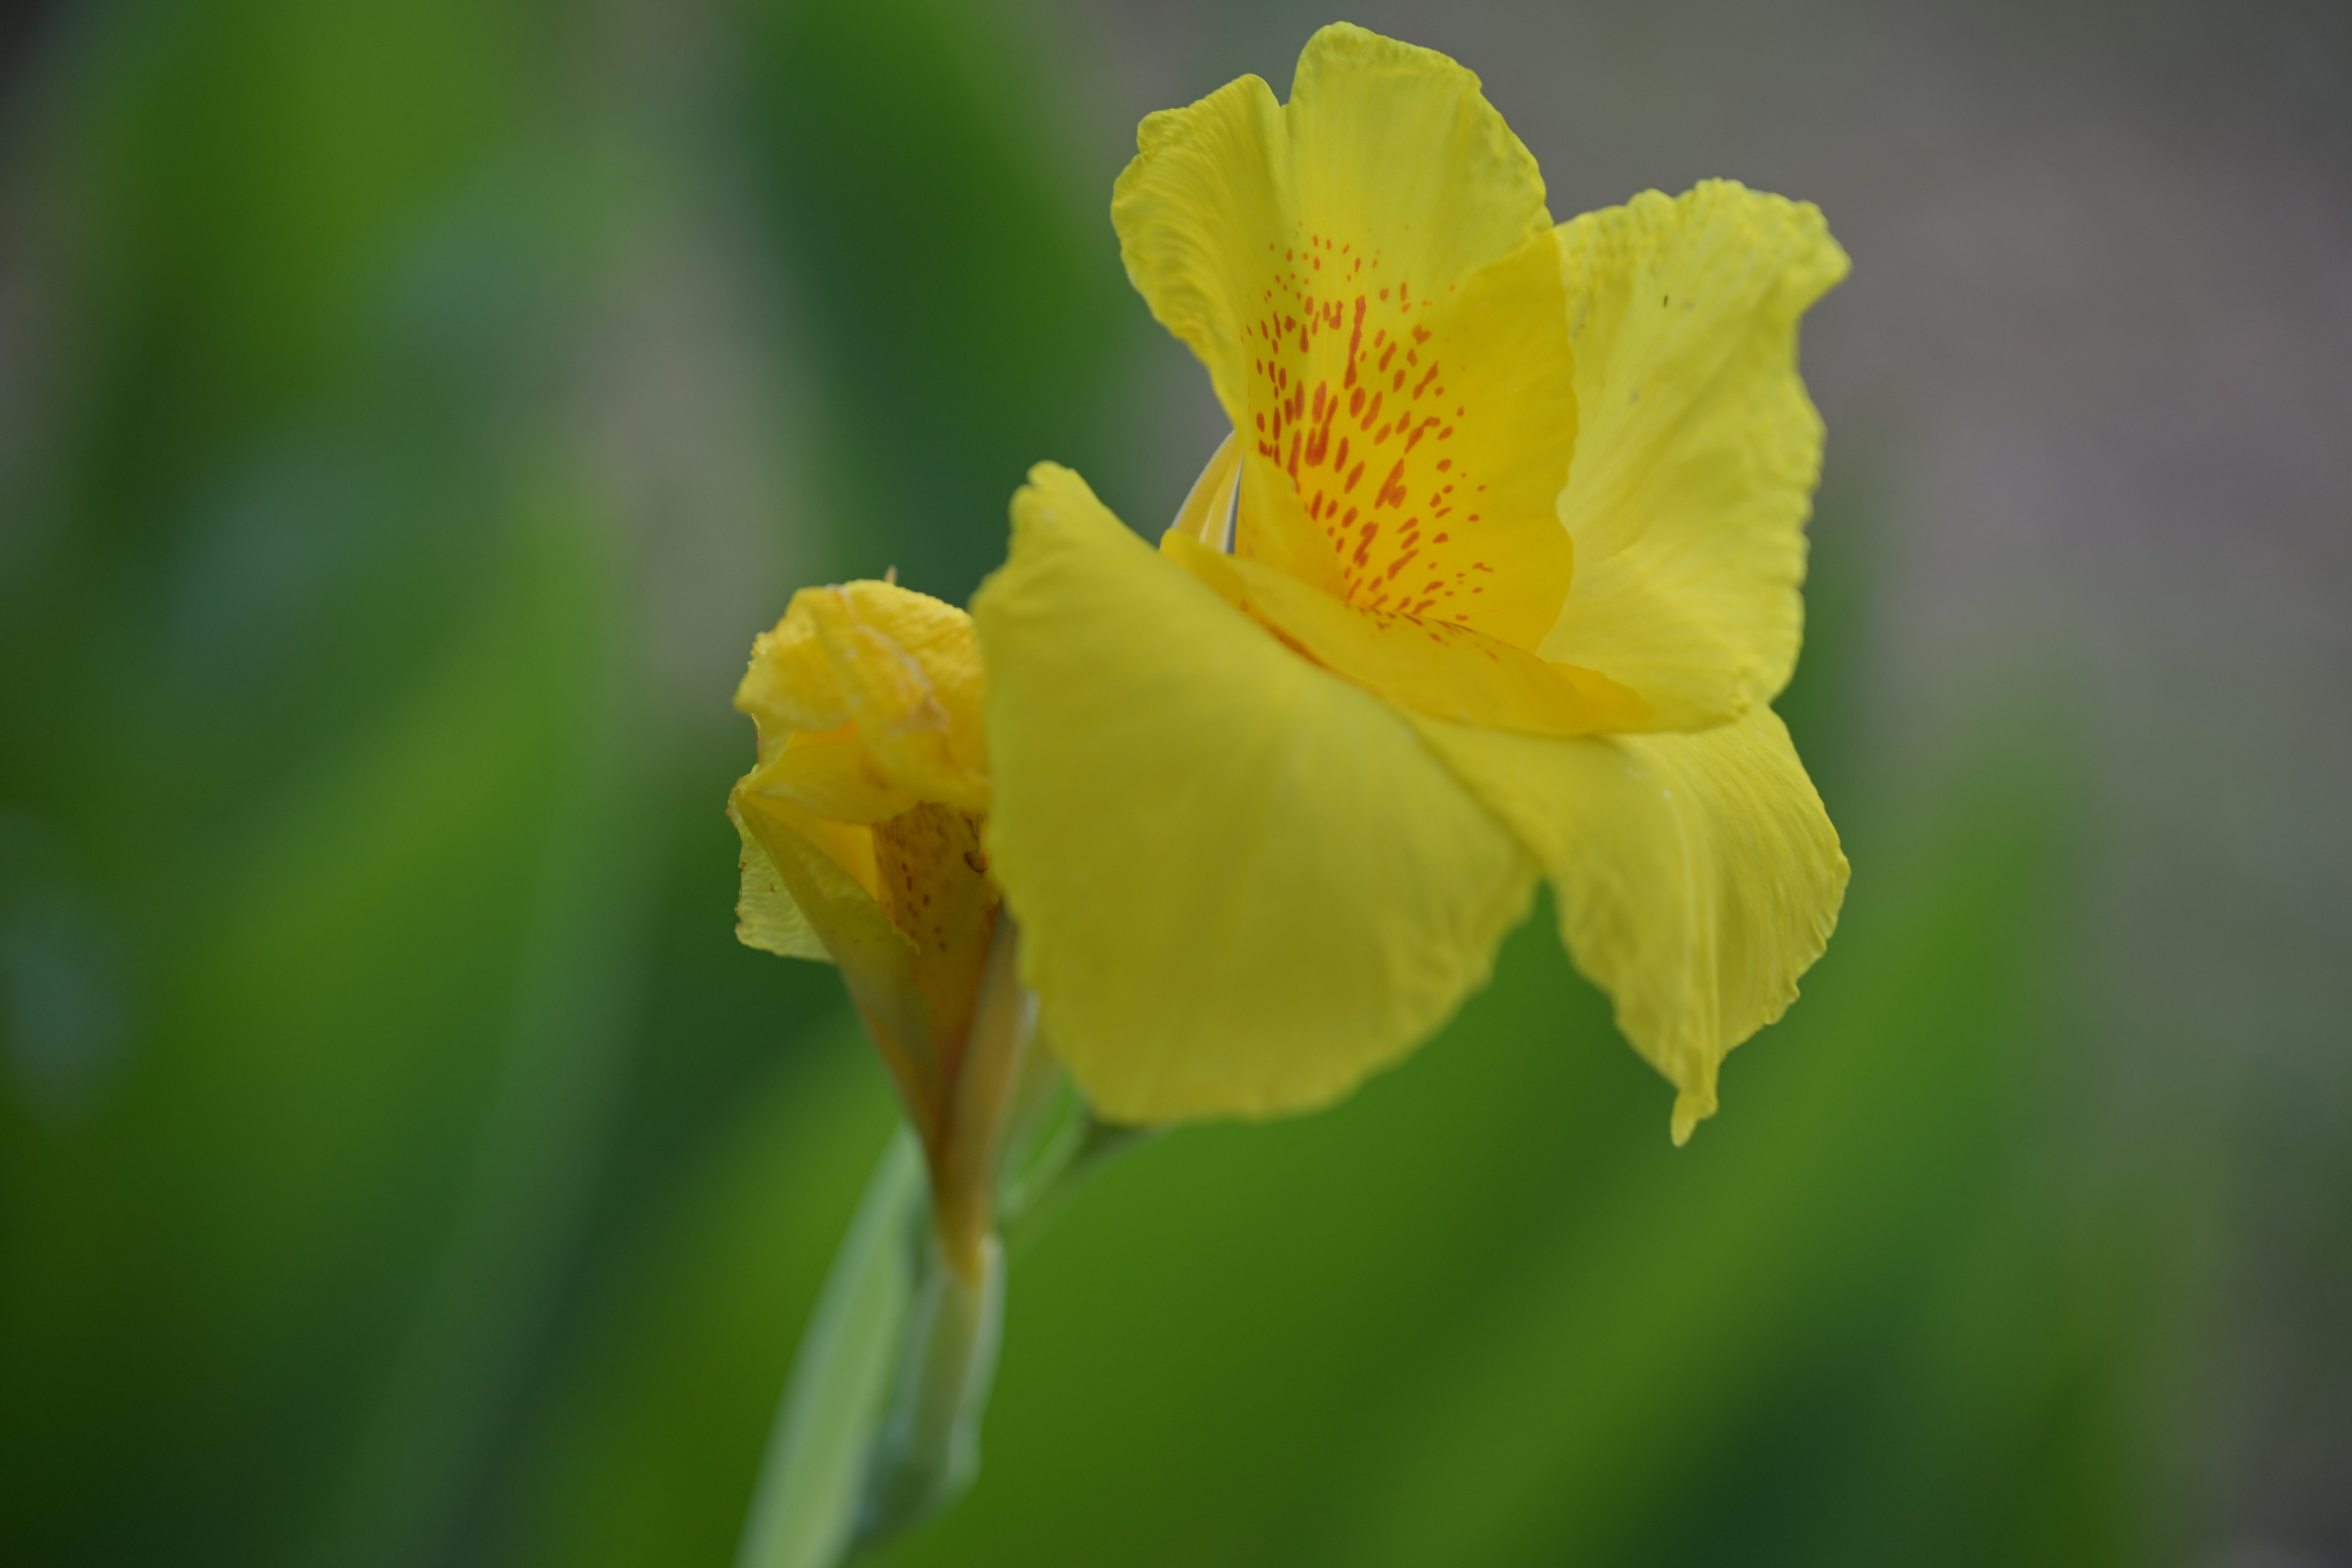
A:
(862, 829)
(1496, 579)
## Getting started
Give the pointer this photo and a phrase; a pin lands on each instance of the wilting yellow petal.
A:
(1367, 274)
(829, 871)
(848, 847)
(860, 821)
(1698, 449)
(935, 889)
(789, 686)
(1242, 883)
(766, 917)
(1431, 666)
(899, 665)
(910, 680)
(1697, 875)
(831, 775)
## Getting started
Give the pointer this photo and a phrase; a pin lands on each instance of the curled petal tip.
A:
(1690, 1109)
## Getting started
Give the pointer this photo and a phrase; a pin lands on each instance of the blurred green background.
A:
(409, 414)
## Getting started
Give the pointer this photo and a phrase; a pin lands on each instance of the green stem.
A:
(929, 1450)
(880, 1424)
(807, 1511)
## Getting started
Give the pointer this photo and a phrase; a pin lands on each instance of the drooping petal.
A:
(1697, 875)
(1242, 883)
(1431, 666)
(1367, 272)
(1697, 450)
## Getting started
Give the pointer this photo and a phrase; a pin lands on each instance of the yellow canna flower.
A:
(1495, 578)
(862, 829)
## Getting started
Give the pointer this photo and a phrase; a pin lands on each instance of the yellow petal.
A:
(1367, 274)
(831, 773)
(1697, 875)
(936, 891)
(1242, 883)
(899, 665)
(1428, 480)
(819, 864)
(766, 917)
(904, 907)
(1698, 449)
(789, 685)
(1431, 666)
(910, 679)
(1386, 163)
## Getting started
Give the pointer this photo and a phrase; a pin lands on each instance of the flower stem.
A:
(928, 1449)
(808, 1510)
(881, 1422)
